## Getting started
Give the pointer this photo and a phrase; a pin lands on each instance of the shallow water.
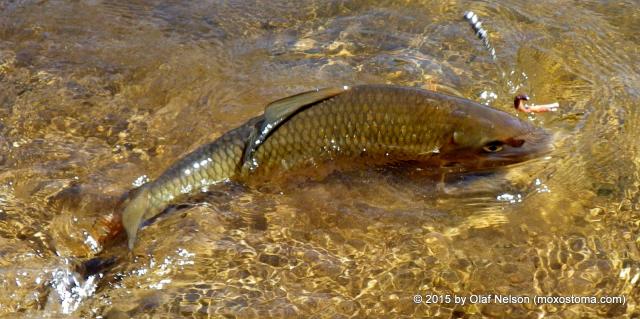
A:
(97, 95)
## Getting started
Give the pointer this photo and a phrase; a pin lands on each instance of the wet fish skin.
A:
(362, 125)
(209, 164)
(379, 124)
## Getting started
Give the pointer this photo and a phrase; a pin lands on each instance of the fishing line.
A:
(481, 33)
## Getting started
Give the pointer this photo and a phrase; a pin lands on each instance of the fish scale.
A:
(344, 127)
(346, 124)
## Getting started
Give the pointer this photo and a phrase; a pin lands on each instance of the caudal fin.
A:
(135, 208)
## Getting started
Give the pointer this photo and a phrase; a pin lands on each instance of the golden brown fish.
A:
(361, 125)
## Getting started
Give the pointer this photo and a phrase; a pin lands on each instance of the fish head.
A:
(483, 137)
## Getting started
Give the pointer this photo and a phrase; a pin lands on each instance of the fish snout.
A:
(532, 144)
(497, 153)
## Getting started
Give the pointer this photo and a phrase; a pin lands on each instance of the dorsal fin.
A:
(279, 111)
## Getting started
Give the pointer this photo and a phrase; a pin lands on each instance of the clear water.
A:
(96, 95)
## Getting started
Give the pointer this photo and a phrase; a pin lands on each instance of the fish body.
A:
(361, 125)
(210, 164)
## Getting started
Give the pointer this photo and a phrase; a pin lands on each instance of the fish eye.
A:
(493, 147)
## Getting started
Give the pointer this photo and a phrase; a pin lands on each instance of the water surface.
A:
(96, 96)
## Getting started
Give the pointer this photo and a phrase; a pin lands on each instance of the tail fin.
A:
(135, 208)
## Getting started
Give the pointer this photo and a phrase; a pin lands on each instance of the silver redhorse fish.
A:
(361, 125)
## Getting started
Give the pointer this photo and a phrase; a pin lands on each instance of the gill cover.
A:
(466, 139)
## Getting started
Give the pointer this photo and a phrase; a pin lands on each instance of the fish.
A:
(344, 127)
